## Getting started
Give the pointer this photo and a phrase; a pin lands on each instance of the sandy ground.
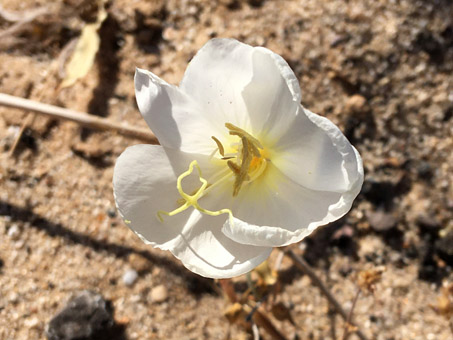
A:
(380, 69)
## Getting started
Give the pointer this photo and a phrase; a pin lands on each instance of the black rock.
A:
(86, 317)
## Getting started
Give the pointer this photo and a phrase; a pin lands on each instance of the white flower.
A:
(242, 166)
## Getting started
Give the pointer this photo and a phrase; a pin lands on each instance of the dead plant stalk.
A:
(305, 267)
(81, 118)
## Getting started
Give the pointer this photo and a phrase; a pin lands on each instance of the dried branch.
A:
(81, 118)
(348, 323)
(25, 16)
(305, 267)
(20, 19)
(261, 320)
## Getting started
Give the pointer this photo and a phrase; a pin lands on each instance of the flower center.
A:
(246, 163)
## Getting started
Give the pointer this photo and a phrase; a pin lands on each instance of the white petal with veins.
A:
(314, 153)
(272, 97)
(215, 78)
(176, 120)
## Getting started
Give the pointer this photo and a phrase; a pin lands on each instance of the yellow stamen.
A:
(249, 158)
(245, 164)
(192, 200)
(219, 145)
(234, 130)
(234, 167)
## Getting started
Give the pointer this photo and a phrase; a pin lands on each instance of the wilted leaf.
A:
(444, 304)
(234, 312)
(85, 50)
(367, 279)
(266, 274)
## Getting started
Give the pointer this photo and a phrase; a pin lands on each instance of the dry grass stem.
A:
(84, 119)
(348, 324)
(20, 20)
(305, 267)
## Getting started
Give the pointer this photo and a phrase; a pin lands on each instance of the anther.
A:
(219, 146)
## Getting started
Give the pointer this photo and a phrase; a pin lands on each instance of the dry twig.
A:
(81, 118)
(261, 320)
(20, 19)
(347, 326)
(305, 267)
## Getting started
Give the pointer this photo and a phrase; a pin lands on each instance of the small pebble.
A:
(381, 220)
(139, 263)
(159, 294)
(14, 231)
(129, 277)
(356, 104)
(31, 323)
(111, 212)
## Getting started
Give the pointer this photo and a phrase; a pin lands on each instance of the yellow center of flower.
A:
(246, 162)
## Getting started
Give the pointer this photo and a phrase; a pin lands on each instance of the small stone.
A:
(14, 232)
(111, 212)
(357, 105)
(129, 277)
(159, 294)
(31, 323)
(87, 316)
(381, 220)
(139, 263)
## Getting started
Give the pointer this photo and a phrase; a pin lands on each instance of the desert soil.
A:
(380, 69)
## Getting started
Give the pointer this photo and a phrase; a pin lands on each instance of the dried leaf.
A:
(234, 312)
(444, 304)
(266, 274)
(367, 279)
(85, 50)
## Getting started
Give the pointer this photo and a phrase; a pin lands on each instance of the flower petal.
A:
(216, 77)
(315, 154)
(144, 182)
(174, 118)
(278, 211)
(272, 97)
(205, 250)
